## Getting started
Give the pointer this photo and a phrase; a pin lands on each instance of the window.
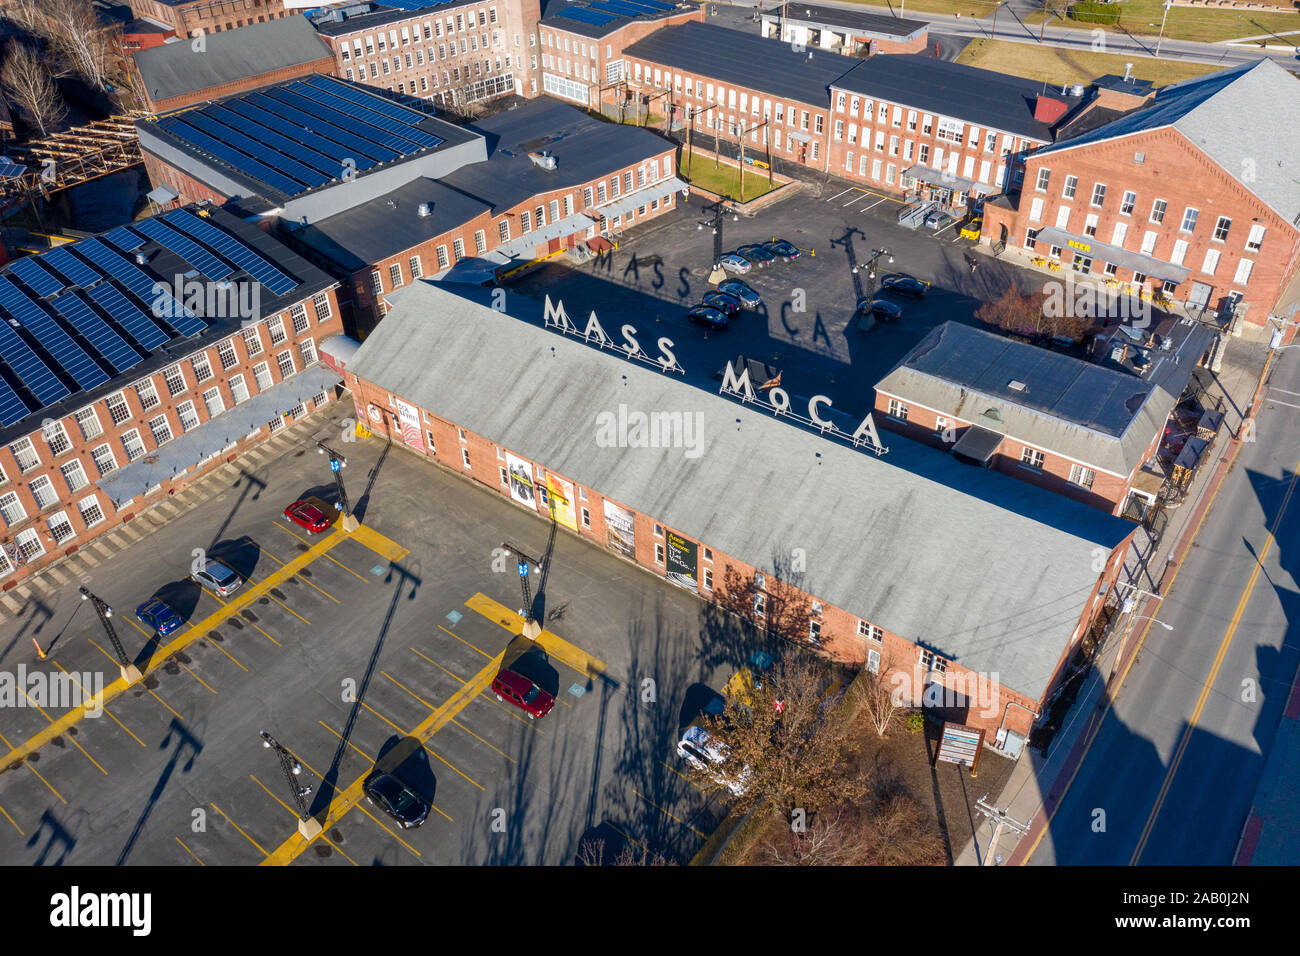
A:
(91, 513)
(298, 315)
(1090, 225)
(708, 579)
(262, 376)
(897, 410)
(1256, 238)
(42, 490)
(1189, 220)
(202, 372)
(815, 631)
(1179, 253)
(56, 437)
(174, 380)
(873, 661)
(213, 402)
(870, 632)
(104, 461)
(480, 242)
(586, 518)
(1044, 176)
(187, 415)
(1158, 210)
(1032, 458)
(252, 342)
(29, 544)
(226, 355)
(1243, 272)
(11, 509)
(161, 429)
(1036, 209)
(307, 349)
(25, 454)
(443, 262)
(394, 280)
(376, 283)
(760, 603)
(238, 392)
(458, 249)
(1081, 476)
(284, 362)
(1221, 228)
(659, 553)
(1099, 195)
(60, 527)
(148, 395)
(74, 473)
(1129, 201)
(88, 422)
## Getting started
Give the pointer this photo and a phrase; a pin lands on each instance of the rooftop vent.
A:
(1017, 386)
(543, 159)
(141, 259)
(425, 210)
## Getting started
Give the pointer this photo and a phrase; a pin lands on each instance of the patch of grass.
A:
(1202, 24)
(723, 179)
(1056, 65)
(967, 8)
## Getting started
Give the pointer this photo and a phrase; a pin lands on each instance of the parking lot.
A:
(356, 652)
(661, 269)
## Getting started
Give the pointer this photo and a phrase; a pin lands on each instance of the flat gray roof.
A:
(854, 20)
(985, 570)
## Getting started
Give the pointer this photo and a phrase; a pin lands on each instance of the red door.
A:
(553, 245)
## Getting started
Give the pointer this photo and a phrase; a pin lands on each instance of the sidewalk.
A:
(1038, 783)
(1271, 836)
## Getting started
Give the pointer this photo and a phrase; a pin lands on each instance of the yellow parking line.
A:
(377, 543)
(557, 647)
(481, 740)
(381, 716)
(683, 776)
(256, 628)
(197, 677)
(302, 579)
(365, 755)
(71, 739)
(237, 827)
(439, 666)
(190, 852)
(367, 812)
(289, 850)
(213, 643)
(106, 711)
(463, 641)
(11, 820)
(429, 749)
(339, 849)
(244, 599)
(667, 813)
(509, 711)
(167, 705)
(28, 765)
(407, 689)
(289, 609)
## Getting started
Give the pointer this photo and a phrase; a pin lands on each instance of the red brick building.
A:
(582, 48)
(188, 17)
(1073, 427)
(675, 500)
(1186, 196)
(142, 400)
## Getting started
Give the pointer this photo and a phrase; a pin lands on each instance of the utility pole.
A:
(1042, 29)
(996, 6)
(130, 673)
(532, 629)
(348, 521)
(308, 825)
(1000, 820)
(1160, 39)
(750, 132)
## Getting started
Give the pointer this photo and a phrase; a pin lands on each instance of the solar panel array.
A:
(412, 4)
(54, 334)
(587, 15)
(303, 134)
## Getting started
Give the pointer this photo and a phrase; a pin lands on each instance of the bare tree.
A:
(891, 829)
(78, 37)
(1028, 315)
(592, 853)
(28, 82)
(786, 611)
(877, 694)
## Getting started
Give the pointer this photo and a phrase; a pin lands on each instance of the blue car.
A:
(159, 616)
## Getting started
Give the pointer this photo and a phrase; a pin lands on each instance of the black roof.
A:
(967, 93)
(852, 19)
(380, 15)
(575, 17)
(745, 60)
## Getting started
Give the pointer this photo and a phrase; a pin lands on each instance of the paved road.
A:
(1176, 762)
(1010, 27)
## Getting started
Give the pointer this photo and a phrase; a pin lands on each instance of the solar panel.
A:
(186, 248)
(147, 290)
(12, 408)
(233, 249)
(295, 110)
(306, 155)
(9, 169)
(29, 367)
(585, 15)
(77, 271)
(290, 129)
(653, 4)
(232, 157)
(124, 239)
(71, 356)
(415, 139)
(380, 104)
(97, 332)
(37, 276)
(257, 150)
(139, 326)
(620, 8)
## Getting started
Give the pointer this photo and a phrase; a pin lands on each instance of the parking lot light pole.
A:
(870, 266)
(719, 210)
(348, 521)
(130, 673)
(532, 629)
(308, 826)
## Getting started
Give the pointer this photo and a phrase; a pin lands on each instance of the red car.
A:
(523, 693)
(309, 514)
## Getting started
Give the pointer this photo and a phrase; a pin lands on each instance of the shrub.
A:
(916, 721)
(1092, 11)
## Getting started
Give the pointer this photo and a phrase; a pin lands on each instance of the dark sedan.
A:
(728, 305)
(781, 249)
(159, 616)
(395, 798)
(905, 285)
(757, 255)
(708, 315)
(882, 308)
(741, 290)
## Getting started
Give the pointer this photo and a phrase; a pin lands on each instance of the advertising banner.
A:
(682, 561)
(410, 419)
(620, 532)
(561, 493)
(521, 481)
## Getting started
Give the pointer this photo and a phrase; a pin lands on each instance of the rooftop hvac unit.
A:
(1076, 90)
(1016, 386)
(141, 259)
(425, 210)
(543, 159)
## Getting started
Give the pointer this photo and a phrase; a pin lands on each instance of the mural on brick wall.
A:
(682, 561)
(522, 488)
(561, 494)
(410, 419)
(620, 532)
